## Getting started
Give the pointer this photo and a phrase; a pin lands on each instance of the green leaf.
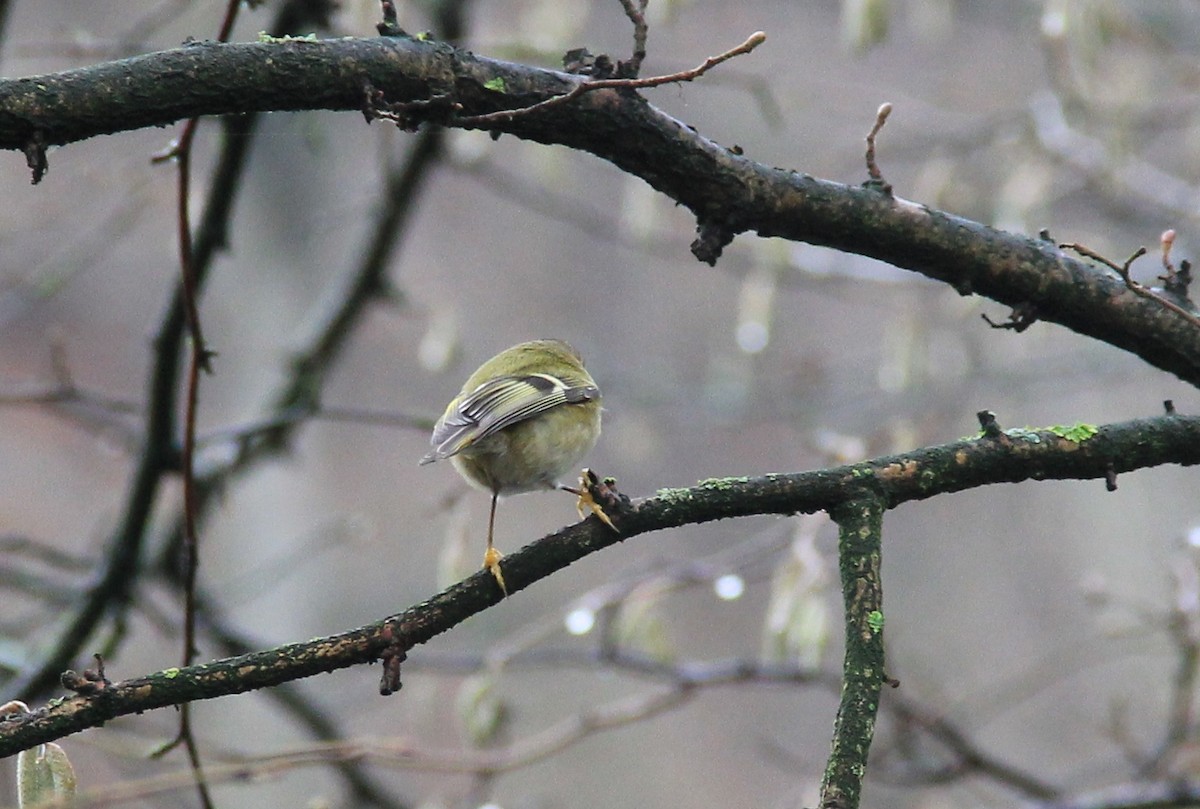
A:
(639, 625)
(44, 774)
(480, 711)
(496, 85)
(865, 23)
(796, 627)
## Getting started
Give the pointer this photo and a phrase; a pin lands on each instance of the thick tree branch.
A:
(727, 192)
(1017, 455)
(210, 78)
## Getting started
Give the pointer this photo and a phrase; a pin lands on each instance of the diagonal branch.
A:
(1021, 455)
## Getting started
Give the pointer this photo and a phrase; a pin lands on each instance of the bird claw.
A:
(491, 561)
(587, 482)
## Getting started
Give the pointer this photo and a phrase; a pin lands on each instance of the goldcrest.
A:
(520, 422)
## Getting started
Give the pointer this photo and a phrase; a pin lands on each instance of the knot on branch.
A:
(35, 155)
(1176, 280)
(582, 62)
(407, 115)
(390, 26)
(89, 683)
(391, 657)
(1020, 318)
(1186, 309)
(711, 239)
(991, 427)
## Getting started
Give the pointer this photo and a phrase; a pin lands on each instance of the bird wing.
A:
(500, 403)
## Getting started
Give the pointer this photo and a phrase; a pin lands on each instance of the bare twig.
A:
(504, 116)
(637, 16)
(401, 754)
(1019, 319)
(873, 171)
(94, 411)
(200, 358)
(390, 27)
(330, 330)
(1181, 622)
(1176, 280)
(1166, 242)
(1133, 286)
(107, 596)
(970, 758)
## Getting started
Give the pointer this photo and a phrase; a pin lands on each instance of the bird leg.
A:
(492, 557)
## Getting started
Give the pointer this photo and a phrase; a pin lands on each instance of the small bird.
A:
(519, 423)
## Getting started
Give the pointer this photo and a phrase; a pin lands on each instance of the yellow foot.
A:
(491, 561)
(586, 480)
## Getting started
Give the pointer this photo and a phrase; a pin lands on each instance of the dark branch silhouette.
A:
(727, 192)
(896, 479)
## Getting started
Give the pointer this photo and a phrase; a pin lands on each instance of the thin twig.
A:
(107, 596)
(1176, 280)
(37, 394)
(1182, 626)
(1166, 242)
(390, 27)
(200, 359)
(637, 16)
(971, 758)
(330, 330)
(1133, 286)
(881, 117)
(504, 116)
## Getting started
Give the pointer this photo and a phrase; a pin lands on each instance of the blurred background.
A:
(1035, 619)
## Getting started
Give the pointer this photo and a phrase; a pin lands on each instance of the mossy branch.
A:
(860, 549)
(888, 481)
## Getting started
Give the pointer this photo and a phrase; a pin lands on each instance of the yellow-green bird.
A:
(520, 422)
